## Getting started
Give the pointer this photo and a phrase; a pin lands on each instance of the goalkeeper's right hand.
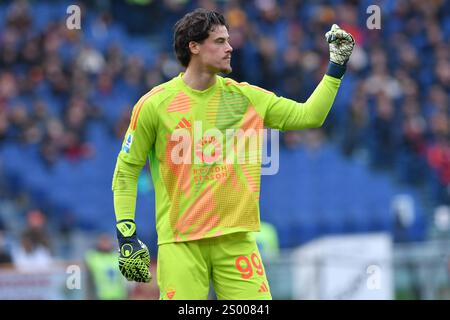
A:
(134, 258)
(341, 44)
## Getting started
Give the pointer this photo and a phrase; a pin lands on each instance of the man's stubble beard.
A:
(227, 70)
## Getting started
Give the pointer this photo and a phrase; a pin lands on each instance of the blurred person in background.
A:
(5, 250)
(105, 281)
(438, 156)
(267, 240)
(35, 250)
(5, 253)
(36, 229)
(31, 256)
(205, 221)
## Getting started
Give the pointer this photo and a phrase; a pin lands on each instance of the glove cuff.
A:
(125, 228)
(336, 70)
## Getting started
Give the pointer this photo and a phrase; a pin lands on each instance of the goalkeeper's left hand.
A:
(134, 258)
(341, 44)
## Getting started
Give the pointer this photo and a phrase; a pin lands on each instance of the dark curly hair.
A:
(194, 26)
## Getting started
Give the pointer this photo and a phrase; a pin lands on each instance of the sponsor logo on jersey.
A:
(128, 142)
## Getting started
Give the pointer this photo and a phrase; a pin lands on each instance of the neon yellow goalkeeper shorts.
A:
(231, 262)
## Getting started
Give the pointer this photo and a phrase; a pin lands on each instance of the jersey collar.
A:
(186, 88)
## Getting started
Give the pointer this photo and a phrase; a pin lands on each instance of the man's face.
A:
(215, 51)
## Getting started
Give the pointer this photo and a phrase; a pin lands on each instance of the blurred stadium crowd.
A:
(66, 97)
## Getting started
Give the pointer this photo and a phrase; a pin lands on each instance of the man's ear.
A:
(194, 47)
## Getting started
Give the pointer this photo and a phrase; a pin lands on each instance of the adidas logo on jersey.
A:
(183, 124)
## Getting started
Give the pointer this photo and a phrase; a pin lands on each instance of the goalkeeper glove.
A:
(341, 44)
(134, 258)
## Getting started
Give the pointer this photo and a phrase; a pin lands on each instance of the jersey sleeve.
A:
(138, 141)
(141, 133)
(286, 114)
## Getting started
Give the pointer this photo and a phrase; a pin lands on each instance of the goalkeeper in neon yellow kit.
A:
(206, 207)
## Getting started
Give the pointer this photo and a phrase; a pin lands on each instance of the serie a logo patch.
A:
(128, 142)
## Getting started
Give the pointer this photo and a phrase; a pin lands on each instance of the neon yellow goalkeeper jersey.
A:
(205, 152)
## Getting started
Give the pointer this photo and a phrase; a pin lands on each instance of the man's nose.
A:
(229, 47)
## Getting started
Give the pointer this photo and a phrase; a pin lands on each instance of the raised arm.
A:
(286, 114)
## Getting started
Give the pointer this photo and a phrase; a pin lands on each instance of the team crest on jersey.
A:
(128, 143)
(170, 292)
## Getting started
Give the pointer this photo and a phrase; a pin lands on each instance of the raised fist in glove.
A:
(134, 258)
(341, 44)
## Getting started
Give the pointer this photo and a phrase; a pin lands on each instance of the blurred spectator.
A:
(384, 132)
(4, 125)
(36, 229)
(122, 124)
(292, 139)
(355, 129)
(105, 281)
(74, 148)
(54, 138)
(19, 120)
(5, 253)
(90, 60)
(438, 156)
(411, 151)
(31, 256)
(267, 241)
